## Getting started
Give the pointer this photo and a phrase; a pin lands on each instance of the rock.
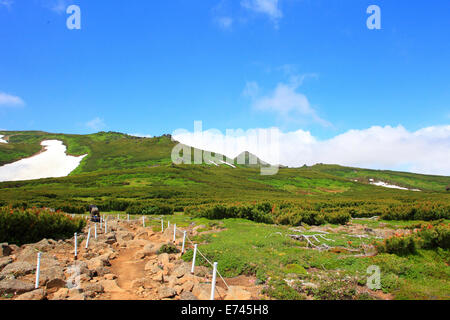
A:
(186, 295)
(163, 258)
(101, 271)
(38, 294)
(92, 287)
(18, 269)
(61, 294)
(110, 238)
(188, 286)
(5, 250)
(110, 276)
(111, 286)
(166, 292)
(77, 296)
(181, 271)
(52, 278)
(201, 271)
(139, 255)
(138, 283)
(310, 285)
(124, 235)
(159, 277)
(15, 286)
(43, 246)
(4, 261)
(137, 243)
(237, 293)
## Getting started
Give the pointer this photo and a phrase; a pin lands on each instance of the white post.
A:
(88, 237)
(168, 224)
(213, 283)
(101, 223)
(174, 232)
(118, 217)
(162, 225)
(143, 221)
(76, 244)
(38, 270)
(106, 226)
(193, 259)
(128, 217)
(95, 229)
(184, 241)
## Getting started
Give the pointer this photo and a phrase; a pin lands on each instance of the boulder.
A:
(4, 261)
(181, 271)
(188, 286)
(186, 295)
(15, 286)
(111, 286)
(166, 292)
(18, 269)
(61, 294)
(163, 258)
(92, 288)
(38, 294)
(5, 250)
(237, 293)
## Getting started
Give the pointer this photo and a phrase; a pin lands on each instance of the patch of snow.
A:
(1, 140)
(228, 164)
(53, 162)
(386, 185)
(213, 163)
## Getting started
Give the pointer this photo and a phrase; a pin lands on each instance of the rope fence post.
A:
(193, 258)
(162, 225)
(168, 224)
(38, 270)
(128, 217)
(95, 230)
(213, 282)
(106, 226)
(88, 237)
(76, 245)
(174, 232)
(143, 221)
(184, 241)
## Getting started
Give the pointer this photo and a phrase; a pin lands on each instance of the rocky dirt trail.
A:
(124, 264)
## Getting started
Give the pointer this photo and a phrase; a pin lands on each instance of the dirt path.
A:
(127, 270)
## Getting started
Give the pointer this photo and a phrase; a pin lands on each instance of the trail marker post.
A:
(174, 232)
(162, 225)
(76, 244)
(213, 282)
(38, 270)
(106, 226)
(143, 221)
(88, 237)
(128, 217)
(193, 258)
(95, 230)
(184, 241)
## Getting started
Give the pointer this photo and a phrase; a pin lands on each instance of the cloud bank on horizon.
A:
(424, 151)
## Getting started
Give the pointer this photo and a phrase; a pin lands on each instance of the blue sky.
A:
(151, 67)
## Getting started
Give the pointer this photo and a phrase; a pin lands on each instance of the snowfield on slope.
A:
(387, 185)
(53, 162)
(1, 139)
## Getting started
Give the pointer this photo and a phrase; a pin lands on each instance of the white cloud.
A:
(10, 100)
(140, 135)
(424, 151)
(267, 7)
(225, 22)
(57, 6)
(284, 100)
(96, 124)
(6, 3)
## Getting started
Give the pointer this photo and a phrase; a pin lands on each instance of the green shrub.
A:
(168, 248)
(399, 245)
(18, 226)
(432, 237)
